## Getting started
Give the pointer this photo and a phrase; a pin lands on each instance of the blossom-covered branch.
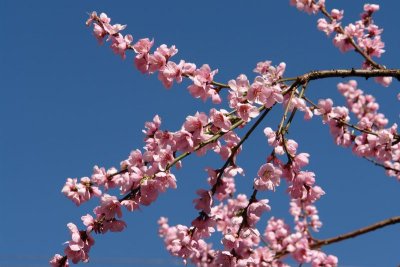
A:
(147, 173)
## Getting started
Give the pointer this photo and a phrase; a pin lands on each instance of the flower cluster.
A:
(374, 141)
(235, 220)
(146, 173)
(266, 90)
(157, 61)
(364, 35)
(364, 31)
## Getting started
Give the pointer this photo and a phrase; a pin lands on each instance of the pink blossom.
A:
(324, 108)
(142, 64)
(188, 68)
(70, 190)
(275, 232)
(385, 81)
(166, 180)
(312, 213)
(164, 139)
(152, 127)
(291, 146)
(313, 195)
(120, 44)
(219, 119)
(262, 67)
(241, 85)
(149, 191)
(271, 135)
(59, 261)
(114, 225)
(371, 8)
(247, 111)
(142, 47)
(261, 92)
(354, 30)
(179, 242)
(248, 239)
(255, 210)
(327, 27)
(99, 176)
(113, 29)
(204, 202)
(373, 30)
(300, 104)
(88, 221)
(363, 106)
(79, 246)
(99, 33)
(170, 72)
(80, 192)
(229, 242)
(202, 79)
(224, 258)
(301, 159)
(308, 6)
(337, 14)
(321, 259)
(109, 208)
(204, 225)
(298, 246)
(104, 18)
(238, 90)
(226, 185)
(339, 130)
(373, 47)
(194, 124)
(184, 141)
(342, 42)
(231, 140)
(135, 159)
(268, 177)
(306, 178)
(130, 180)
(160, 57)
(274, 73)
(333, 25)
(130, 204)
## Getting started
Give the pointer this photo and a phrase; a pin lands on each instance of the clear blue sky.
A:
(67, 104)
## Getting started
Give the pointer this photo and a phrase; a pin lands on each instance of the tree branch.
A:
(321, 74)
(361, 231)
(356, 233)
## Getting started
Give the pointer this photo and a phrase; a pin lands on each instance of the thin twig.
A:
(381, 165)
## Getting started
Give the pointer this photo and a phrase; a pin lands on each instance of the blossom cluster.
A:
(236, 219)
(364, 31)
(363, 35)
(265, 90)
(375, 140)
(147, 172)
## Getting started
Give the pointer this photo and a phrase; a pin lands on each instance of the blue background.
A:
(67, 104)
